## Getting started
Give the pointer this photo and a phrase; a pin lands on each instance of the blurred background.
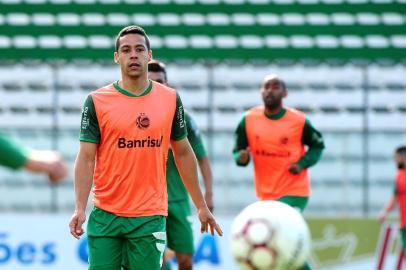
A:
(344, 62)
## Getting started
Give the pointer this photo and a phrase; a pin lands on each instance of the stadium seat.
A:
(206, 29)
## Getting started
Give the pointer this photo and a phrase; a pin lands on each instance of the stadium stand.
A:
(335, 106)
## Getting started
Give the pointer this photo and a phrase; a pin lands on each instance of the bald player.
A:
(275, 136)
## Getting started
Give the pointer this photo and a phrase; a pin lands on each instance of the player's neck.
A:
(273, 111)
(135, 86)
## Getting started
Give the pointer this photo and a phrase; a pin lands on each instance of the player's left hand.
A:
(208, 222)
(295, 168)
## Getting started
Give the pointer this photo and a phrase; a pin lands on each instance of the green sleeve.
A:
(178, 131)
(194, 137)
(11, 154)
(240, 142)
(314, 140)
(89, 127)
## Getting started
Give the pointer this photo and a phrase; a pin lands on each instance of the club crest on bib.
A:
(143, 121)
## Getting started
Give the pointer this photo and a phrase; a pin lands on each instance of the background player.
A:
(399, 197)
(178, 224)
(275, 136)
(15, 157)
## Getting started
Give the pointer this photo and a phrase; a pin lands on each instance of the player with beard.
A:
(275, 137)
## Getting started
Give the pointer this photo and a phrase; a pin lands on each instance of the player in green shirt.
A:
(179, 230)
(16, 157)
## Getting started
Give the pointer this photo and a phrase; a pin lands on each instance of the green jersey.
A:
(11, 154)
(310, 137)
(176, 189)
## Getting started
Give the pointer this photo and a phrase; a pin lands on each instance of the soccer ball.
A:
(270, 235)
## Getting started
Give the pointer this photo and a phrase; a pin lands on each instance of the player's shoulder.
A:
(162, 87)
(295, 112)
(255, 110)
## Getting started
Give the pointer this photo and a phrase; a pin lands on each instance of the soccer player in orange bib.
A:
(399, 197)
(126, 130)
(275, 137)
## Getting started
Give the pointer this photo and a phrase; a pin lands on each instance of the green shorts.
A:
(295, 201)
(403, 234)
(298, 203)
(139, 241)
(179, 227)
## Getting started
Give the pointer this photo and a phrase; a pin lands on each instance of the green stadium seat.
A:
(207, 29)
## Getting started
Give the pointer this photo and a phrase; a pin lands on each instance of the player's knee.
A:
(185, 262)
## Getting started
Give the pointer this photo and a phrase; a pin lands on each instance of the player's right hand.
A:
(295, 168)
(244, 156)
(76, 223)
(207, 221)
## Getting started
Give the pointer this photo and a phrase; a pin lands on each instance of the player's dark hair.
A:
(156, 66)
(401, 150)
(132, 29)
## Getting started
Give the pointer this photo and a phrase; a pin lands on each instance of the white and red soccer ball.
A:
(270, 235)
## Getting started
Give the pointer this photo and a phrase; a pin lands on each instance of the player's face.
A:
(133, 55)
(272, 92)
(157, 77)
